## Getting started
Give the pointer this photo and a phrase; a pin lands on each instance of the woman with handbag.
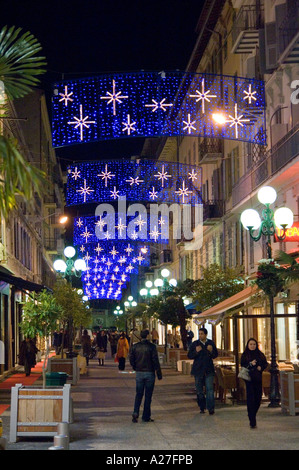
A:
(102, 346)
(255, 361)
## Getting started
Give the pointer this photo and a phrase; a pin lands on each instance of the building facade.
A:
(254, 39)
(31, 234)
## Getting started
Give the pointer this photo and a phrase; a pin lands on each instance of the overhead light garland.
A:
(154, 105)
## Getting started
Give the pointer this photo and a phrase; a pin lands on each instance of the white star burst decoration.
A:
(155, 233)
(120, 227)
(86, 234)
(85, 191)
(79, 223)
(75, 174)
(162, 175)
(192, 176)
(203, 95)
(101, 223)
(114, 97)
(189, 125)
(128, 125)
(114, 193)
(249, 95)
(140, 222)
(134, 181)
(153, 194)
(66, 96)
(183, 192)
(237, 121)
(156, 105)
(81, 122)
(106, 175)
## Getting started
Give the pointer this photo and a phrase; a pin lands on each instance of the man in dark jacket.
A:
(144, 360)
(203, 351)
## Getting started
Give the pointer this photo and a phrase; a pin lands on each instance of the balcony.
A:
(289, 35)
(212, 212)
(281, 155)
(245, 32)
(210, 151)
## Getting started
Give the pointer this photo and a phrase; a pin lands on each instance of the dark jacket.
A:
(203, 360)
(144, 357)
(28, 352)
(102, 342)
(249, 356)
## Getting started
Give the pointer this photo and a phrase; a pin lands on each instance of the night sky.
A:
(91, 37)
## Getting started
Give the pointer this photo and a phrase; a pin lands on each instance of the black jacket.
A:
(144, 357)
(203, 360)
(247, 358)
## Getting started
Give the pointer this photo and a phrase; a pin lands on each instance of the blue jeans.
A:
(209, 400)
(145, 382)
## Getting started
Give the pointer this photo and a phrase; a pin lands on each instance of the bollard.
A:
(63, 430)
(3, 443)
(61, 441)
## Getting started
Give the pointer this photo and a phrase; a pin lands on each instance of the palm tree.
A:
(19, 68)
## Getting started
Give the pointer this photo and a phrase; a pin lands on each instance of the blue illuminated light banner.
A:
(152, 104)
(109, 267)
(139, 180)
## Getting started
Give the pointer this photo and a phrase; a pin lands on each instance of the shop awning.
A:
(227, 304)
(19, 282)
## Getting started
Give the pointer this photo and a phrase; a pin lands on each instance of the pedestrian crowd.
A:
(140, 348)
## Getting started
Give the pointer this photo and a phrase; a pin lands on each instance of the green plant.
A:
(19, 68)
(40, 316)
(268, 277)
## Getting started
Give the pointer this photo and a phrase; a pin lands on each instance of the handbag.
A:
(244, 374)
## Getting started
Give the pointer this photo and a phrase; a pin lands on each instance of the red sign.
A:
(292, 234)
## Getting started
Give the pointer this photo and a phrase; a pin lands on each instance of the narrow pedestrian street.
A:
(103, 403)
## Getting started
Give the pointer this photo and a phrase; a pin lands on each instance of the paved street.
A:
(103, 403)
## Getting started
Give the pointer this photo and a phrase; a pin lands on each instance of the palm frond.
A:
(19, 65)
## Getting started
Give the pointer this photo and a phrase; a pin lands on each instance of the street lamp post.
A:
(281, 219)
(68, 269)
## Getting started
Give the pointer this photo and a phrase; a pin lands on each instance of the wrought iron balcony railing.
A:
(245, 32)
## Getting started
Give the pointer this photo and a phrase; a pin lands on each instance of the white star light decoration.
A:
(189, 125)
(66, 96)
(237, 121)
(114, 97)
(162, 175)
(81, 122)
(75, 174)
(250, 95)
(106, 175)
(85, 191)
(158, 105)
(183, 192)
(128, 125)
(203, 96)
(136, 180)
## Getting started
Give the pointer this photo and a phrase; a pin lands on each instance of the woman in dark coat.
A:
(86, 345)
(27, 356)
(102, 346)
(255, 361)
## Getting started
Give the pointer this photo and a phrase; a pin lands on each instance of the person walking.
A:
(122, 351)
(203, 351)
(255, 361)
(113, 338)
(86, 345)
(144, 360)
(190, 336)
(155, 336)
(27, 356)
(101, 341)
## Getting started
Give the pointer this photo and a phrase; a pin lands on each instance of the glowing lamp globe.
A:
(134, 304)
(85, 298)
(165, 272)
(127, 304)
(219, 118)
(80, 265)
(143, 292)
(59, 265)
(154, 292)
(267, 195)
(173, 282)
(283, 218)
(130, 298)
(69, 251)
(250, 218)
(158, 283)
(148, 284)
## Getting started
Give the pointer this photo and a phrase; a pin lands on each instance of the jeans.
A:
(208, 382)
(145, 382)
